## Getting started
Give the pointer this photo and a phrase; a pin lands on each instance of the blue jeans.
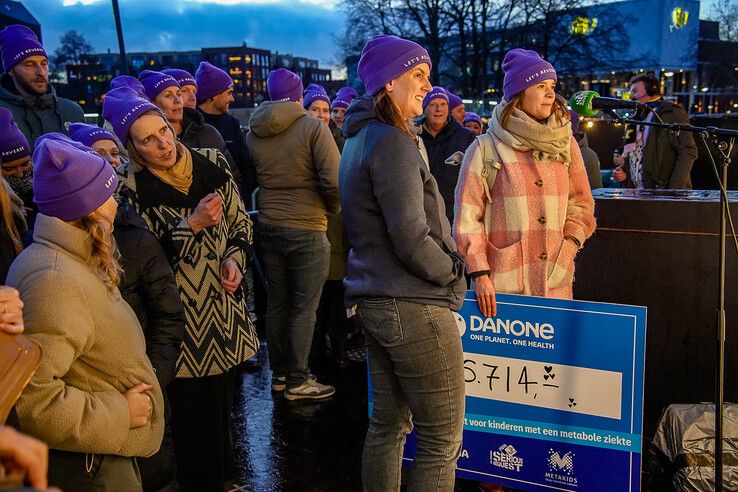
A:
(417, 371)
(296, 264)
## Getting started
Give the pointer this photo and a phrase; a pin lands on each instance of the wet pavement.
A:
(303, 446)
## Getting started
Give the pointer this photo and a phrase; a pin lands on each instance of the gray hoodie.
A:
(401, 244)
(296, 161)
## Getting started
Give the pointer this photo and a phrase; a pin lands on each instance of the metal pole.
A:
(121, 45)
(719, 383)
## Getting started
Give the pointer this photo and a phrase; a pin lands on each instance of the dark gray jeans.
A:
(86, 472)
(296, 263)
(417, 372)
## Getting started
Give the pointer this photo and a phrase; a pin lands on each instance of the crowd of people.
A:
(124, 248)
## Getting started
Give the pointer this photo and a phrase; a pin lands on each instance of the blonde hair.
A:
(105, 253)
(388, 112)
(7, 220)
(134, 156)
(560, 109)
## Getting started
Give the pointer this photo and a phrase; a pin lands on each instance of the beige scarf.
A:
(179, 176)
(549, 141)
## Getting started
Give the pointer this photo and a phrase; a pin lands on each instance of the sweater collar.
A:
(61, 235)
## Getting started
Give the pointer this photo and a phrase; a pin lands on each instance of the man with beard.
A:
(25, 88)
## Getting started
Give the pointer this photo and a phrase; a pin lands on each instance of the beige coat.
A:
(93, 350)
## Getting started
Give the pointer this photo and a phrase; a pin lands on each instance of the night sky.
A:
(303, 28)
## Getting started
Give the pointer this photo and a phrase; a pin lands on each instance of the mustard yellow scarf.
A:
(179, 176)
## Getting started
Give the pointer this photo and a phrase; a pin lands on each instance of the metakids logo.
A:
(514, 327)
(561, 468)
(505, 457)
(539, 74)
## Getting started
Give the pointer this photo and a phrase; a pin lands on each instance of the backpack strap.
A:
(491, 162)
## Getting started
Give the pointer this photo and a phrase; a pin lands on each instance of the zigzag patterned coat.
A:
(219, 333)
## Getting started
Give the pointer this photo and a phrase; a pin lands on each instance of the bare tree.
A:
(726, 13)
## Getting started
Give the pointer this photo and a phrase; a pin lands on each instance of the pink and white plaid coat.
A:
(519, 237)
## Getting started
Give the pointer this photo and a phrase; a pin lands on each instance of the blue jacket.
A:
(400, 239)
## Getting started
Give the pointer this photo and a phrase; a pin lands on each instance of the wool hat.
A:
(453, 100)
(18, 43)
(436, 93)
(121, 107)
(128, 81)
(183, 77)
(69, 179)
(385, 58)
(524, 68)
(344, 97)
(315, 92)
(155, 82)
(13, 144)
(211, 81)
(89, 134)
(472, 116)
(283, 85)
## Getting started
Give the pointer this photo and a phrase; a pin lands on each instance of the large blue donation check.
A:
(554, 394)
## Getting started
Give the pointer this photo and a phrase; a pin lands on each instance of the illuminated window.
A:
(679, 18)
(234, 58)
(583, 26)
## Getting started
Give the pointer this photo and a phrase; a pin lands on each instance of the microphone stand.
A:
(725, 149)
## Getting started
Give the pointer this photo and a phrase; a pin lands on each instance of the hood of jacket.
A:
(581, 139)
(274, 117)
(359, 114)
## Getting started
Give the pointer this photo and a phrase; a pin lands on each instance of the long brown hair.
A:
(105, 251)
(8, 224)
(560, 109)
(388, 112)
(135, 157)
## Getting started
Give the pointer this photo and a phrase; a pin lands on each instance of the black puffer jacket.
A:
(196, 134)
(148, 286)
(453, 138)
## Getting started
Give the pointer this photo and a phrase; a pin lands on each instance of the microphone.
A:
(589, 103)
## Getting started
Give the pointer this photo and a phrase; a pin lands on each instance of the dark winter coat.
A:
(230, 129)
(453, 138)
(196, 134)
(401, 245)
(591, 161)
(148, 286)
(668, 158)
(37, 115)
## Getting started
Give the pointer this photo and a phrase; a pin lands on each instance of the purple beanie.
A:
(385, 58)
(315, 92)
(472, 116)
(13, 144)
(128, 81)
(18, 43)
(453, 100)
(283, 85)
(155, 82)
(69, 179)
(574, 118)
(211, 81)
(183, 77)
(344, 97)
(121, 107)
(89, 134)
(523, 68)
(436, 93)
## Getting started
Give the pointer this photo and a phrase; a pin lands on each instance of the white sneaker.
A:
(310, 389)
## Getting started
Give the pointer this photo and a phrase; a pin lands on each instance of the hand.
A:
(485, 291)
(11, 310)
(618, 159)
(21, 454)
(231, 277)
(207, 213)
(618, 174)
(139, 404)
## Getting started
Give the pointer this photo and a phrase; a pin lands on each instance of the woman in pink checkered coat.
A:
(520, 228)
